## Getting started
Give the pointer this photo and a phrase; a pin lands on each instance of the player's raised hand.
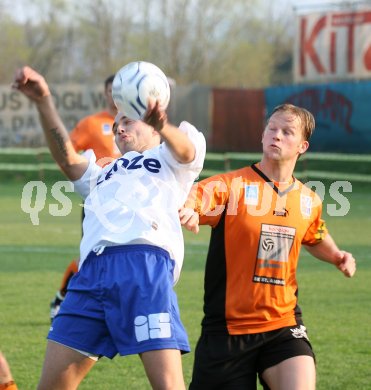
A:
(189, 219)
(30, 83)
(155, 116)
(346, 263)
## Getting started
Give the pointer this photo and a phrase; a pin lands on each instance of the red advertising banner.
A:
(333, 46)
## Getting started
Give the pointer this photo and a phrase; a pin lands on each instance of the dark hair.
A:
(306, 118)
(108, 80)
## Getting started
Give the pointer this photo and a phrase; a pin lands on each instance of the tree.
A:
(228, 43)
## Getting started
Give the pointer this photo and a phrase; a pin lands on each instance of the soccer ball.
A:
(135, 83)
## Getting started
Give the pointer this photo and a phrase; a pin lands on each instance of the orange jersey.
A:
(8, 386)
(257, 233)
(71, 270)
(95, 132)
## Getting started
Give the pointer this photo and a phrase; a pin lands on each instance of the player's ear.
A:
(303, 147)
(114, 127)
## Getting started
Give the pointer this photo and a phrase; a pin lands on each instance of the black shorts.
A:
(224, 362)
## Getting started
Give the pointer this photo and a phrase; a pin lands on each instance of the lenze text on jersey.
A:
(151, 164)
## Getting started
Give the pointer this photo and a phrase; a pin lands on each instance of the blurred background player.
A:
(6, 378)
(92, 132)
(95, 131)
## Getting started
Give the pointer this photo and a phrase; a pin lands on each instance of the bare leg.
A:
(63, 368)
(297, 373)
(164, 369)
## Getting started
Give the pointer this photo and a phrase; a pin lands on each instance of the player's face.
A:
(134, 135)
(283, 137)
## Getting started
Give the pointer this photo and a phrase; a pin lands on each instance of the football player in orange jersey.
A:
(6, 378)
(260, 216)
(92, 132)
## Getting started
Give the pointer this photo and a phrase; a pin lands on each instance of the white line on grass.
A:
(36, 249)
(191, 248)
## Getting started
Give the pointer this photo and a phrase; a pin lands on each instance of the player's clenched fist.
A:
(346, 263)
(30, 83)
(189, 219)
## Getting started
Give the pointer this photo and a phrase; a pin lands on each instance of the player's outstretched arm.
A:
(34, 86)
(178, 142)
(328, 251)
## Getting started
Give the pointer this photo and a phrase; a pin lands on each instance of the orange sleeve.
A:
(209, 198)
(8, 386)
(317, 231)
(70, 271)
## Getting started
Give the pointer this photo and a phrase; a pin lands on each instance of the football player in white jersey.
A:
(122, 299)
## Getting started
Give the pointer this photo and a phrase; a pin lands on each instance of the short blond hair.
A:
(306, 117)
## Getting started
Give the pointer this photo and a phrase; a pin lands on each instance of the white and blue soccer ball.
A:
(135, 83)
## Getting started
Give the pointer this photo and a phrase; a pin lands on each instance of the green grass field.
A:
(336, 309)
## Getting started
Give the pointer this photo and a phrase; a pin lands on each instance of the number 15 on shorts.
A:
(153, 326)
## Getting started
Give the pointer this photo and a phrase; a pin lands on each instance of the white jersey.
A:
(136, 198)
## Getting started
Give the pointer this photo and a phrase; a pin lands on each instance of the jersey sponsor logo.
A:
(252, 194)
(268, 264)
(268, 244)
(269, 280)
(275, 242)
(278, 230)
(306, 203)
(106, 129)
(153, 326)
(273, 253)
(300, 332)
(138, 162)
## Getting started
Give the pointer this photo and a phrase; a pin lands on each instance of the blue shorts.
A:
(121, 301)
